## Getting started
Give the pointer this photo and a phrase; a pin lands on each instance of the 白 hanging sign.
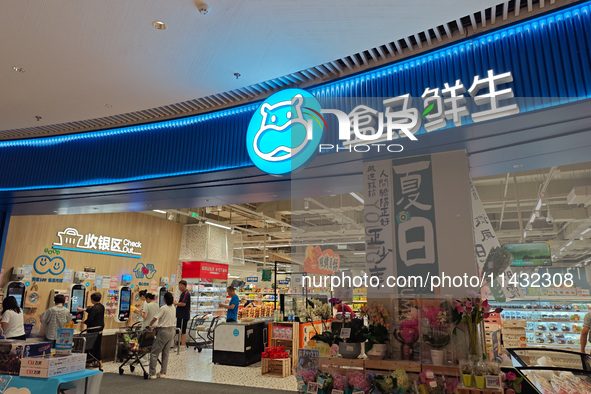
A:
(318, 261)
(71, 239)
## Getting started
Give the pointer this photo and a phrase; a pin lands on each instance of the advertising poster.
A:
(64, 340)
(98, 281)
(68, 273)
(106, 282)
(114, 282)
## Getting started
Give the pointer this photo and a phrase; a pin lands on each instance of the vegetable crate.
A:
(280, 367)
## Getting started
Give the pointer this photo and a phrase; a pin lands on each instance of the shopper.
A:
(344, 308)
(585, 332)
(142, 297)
(232, 307)
(248, 303)
(12, 323)
(183, 311)
(150, 309)
(164, 336)
(55, 317)
(95, 322)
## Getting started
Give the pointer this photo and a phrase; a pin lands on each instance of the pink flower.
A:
(498, 310)
(460, 308)
(339, 382)
(485, 305)
(468, 304)
(485, 315)
(469, 310)
(510, 376)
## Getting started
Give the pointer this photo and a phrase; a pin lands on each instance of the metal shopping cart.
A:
(201, 334)
(84, 343)
(137, 344)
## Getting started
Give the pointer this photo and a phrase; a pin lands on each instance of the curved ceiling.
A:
(68, 61)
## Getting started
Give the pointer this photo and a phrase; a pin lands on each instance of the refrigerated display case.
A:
(553, 371)
(206, 296)
(543, 323)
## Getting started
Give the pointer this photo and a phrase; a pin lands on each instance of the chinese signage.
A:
(414, 217)
(365, 124)
(71, 239)
(252, 279)
(205, 270)
(318, 261)
(378, 223)
(489, 253)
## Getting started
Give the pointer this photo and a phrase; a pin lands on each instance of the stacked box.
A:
(49, 366)
(12, 351)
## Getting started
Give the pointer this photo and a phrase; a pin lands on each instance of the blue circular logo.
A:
(236, 332)
(27, 284)
(285, 131)
(132, 285)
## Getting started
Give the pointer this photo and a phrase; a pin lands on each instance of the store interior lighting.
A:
(361, 200)
(159, 211)
(217, 225)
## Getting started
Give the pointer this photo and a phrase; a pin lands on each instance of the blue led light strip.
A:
(97, 252)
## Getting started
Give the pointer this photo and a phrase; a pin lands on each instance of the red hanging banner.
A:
(205, 270)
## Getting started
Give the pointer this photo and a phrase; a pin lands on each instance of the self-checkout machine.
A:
(77, 296)
(124, 300)
(162, 289)
(16, 287)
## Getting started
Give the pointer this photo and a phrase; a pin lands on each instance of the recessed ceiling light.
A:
(518, 166)
(159, 25)
(18, 69)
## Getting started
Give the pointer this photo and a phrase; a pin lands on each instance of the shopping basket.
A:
(137, 343)
(84, 343)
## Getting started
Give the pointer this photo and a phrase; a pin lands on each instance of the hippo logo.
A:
(285, 131)
(45, 264)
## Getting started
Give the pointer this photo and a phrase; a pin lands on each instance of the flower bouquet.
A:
(472, 311)
(407, 334)
(512, 383)
(358, 381)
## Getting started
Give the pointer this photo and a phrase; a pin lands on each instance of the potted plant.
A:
(378, 333)
(437, 337)
(351, 347)
(407, 334)
(479, 371)
(322, 312)
(466, 367)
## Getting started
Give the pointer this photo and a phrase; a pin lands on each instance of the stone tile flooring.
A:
(191, 365)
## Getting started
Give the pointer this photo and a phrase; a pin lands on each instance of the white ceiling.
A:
(88, 59)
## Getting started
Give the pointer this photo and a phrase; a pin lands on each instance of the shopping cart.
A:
(204, 334)
(84, 343)
(137, 344)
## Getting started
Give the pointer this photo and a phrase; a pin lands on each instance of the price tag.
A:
(313, 387)
(337, 392)
(493, 382)
(345, 333)
(430, 375)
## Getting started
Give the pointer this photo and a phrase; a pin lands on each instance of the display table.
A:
(87, 381)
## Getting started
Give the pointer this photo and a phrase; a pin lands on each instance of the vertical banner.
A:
(414, 224)
(379, 258)
(491, 256)
(418, 225)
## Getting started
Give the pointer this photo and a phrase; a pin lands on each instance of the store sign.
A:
(71, 239)
(252, 279)
(205, 270)
(318, 261)
(283, 282)
(52, 265)
(285, 131)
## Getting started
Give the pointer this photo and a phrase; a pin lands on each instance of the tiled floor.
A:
(191, 365)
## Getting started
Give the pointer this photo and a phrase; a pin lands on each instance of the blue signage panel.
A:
(252, 279)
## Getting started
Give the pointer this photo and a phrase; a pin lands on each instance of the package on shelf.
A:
(12, 352)
(48, 366)
(282, 332)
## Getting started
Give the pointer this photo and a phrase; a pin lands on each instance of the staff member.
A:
(232, 307)
(183, 311)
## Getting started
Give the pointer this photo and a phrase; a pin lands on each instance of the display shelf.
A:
(205, 297)
(276, 329)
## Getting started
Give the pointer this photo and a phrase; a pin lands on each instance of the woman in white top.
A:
(12, 323)
(166, 318)
(150, 309)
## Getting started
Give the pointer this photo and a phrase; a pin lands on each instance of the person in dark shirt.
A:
(183, 311)
(95, 322)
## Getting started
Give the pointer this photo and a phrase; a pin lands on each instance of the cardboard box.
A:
(11, 353)
(53, 361)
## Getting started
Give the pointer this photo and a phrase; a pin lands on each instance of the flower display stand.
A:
(387, 366)
(341, 365)
(277, 336)
(280, 367)
(472, 390)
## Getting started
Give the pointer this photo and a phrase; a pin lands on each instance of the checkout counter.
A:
(240, 343)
